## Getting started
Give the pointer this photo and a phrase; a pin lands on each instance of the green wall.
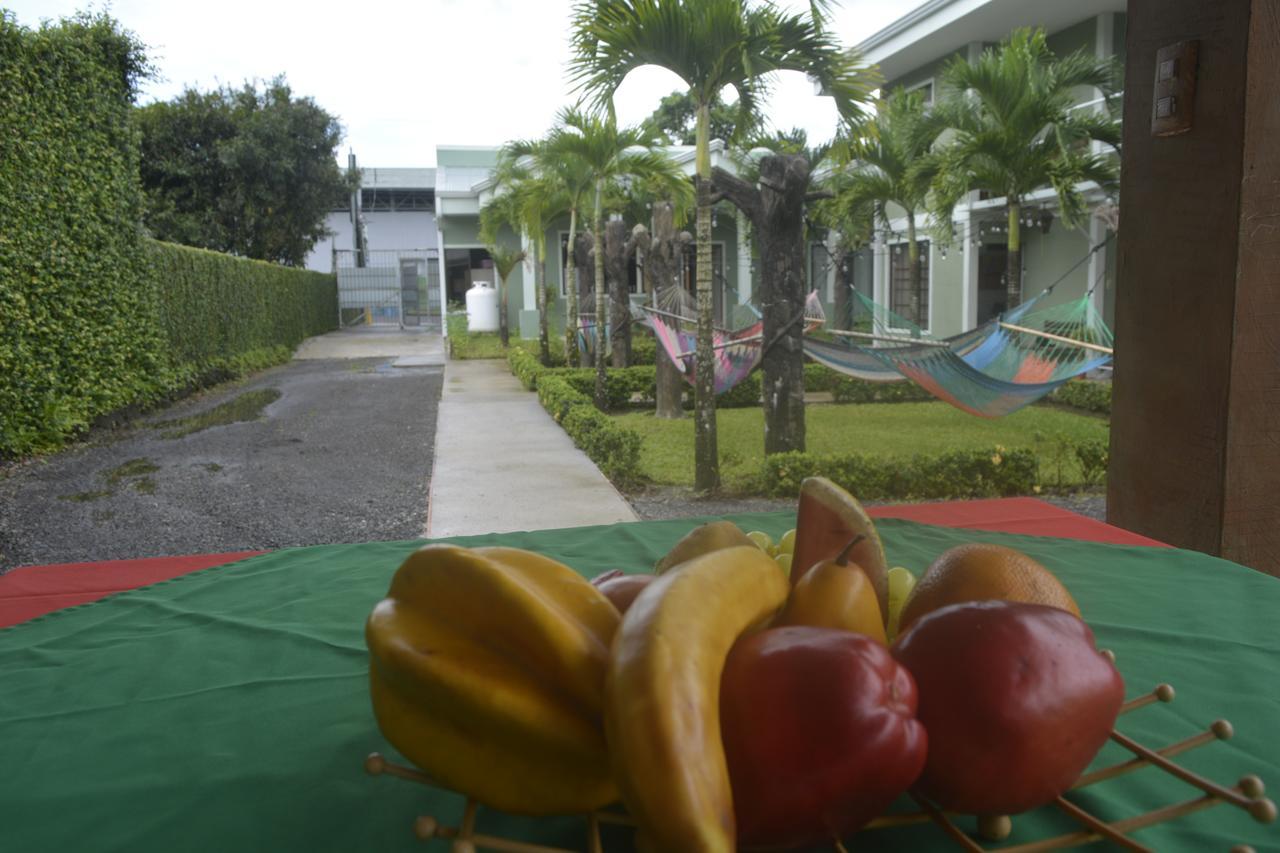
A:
(946, 310)
(1046, 257)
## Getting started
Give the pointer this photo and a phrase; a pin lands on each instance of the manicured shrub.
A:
(954, 474)
(78, 330)
(96, 318)
(1086, 395)
(614, 448)
(1093, 456)
(215, 308)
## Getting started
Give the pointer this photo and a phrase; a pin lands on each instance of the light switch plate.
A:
(1173, 102)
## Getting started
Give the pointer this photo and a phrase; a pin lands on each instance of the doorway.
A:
(993, 296)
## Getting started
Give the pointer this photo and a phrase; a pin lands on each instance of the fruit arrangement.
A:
(747, 694)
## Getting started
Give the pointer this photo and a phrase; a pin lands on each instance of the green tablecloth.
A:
(227, 709)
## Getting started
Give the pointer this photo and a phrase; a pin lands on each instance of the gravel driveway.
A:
(308, 453)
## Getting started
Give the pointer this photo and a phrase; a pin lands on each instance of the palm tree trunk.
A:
(913, 269)
(571, 293)
(1013, 273)
(706, 457)
(660, 265)
(503, 334)
(602, 319)
(540, 297)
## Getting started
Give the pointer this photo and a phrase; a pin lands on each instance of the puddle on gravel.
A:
(85, 497)
(246, 407)
(132, 468)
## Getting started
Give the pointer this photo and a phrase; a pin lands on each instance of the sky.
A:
(404, 77)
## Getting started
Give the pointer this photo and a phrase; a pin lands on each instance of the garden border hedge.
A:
(615, 449)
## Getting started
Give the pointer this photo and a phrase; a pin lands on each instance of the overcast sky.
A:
(404, 77)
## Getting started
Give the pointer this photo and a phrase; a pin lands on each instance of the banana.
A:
(487, 670)
(662, 714)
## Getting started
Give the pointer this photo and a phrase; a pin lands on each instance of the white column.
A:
(527, 273)
(879, 271)
(744, 259)
(1097, 263)
(1104, 30)
(444, 290)
(968, 257)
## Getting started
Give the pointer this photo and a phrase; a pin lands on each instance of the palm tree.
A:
(554, 159)
(710, 44)
(596, 147)
(527, 203)
(890, 165)
(505, 261)
(1016, 131)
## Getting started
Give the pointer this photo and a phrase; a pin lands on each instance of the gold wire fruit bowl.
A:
(1248, 795)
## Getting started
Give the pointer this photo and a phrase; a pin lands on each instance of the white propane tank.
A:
(482, 308)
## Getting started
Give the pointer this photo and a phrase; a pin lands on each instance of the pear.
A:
(703, 539)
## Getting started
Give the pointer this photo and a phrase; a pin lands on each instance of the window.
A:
(397, 199)
(900, 282)
(820, 269)
(925, 89)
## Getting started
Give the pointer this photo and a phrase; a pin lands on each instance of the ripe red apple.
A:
(819, 731)
(1017, 701)
(621, 589)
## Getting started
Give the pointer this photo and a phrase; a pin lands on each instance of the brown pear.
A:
(703, 539)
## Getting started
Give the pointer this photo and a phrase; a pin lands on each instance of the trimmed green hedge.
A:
(956, 474)
(94, 317)
(78, 335)
(216, 311)
(1086, 395)
(615, 449)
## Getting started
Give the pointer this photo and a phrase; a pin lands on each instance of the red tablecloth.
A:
(29, 592)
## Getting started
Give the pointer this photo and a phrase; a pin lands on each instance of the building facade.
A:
(964, 282)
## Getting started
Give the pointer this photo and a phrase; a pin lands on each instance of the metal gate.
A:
(399, 287)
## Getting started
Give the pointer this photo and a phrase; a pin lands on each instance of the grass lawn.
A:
(873, 429)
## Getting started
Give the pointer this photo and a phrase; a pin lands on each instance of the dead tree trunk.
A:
(776, 210)
(618, 249)
(663, 254)
(584, 272)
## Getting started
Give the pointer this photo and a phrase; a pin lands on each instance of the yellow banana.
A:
(487, 670)
(662, 714)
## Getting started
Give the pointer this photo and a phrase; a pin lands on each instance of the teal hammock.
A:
(990, 371)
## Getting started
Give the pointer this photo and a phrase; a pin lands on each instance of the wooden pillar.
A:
(1195, 434)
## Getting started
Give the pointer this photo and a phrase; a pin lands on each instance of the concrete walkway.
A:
(502, 464)
(412, 347)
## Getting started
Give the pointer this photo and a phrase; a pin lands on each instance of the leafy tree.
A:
(710, 44)
(555, 160)
(889, 165)
(612, 156)
(1016, 131)
(505, 261)
(247, 171)
(528, 203)
(675, 120)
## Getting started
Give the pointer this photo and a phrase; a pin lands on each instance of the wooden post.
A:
(1195, 434)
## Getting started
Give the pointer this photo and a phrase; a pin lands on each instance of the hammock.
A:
(992, 370)
(736, 353)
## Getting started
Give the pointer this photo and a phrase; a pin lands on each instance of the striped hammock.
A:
(736, 353)
(990, 371)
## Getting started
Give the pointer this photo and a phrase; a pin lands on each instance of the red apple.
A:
(819, 732)
(621, 589)
(1017, 701)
